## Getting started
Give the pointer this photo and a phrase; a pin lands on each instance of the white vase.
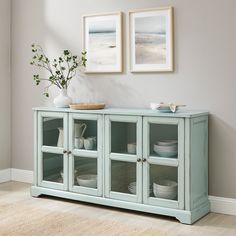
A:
(62, 100)
(60, 137)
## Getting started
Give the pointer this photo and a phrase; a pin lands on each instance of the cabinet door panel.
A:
(85, 165)
(52, 142)
(123, 155)
(163, 150)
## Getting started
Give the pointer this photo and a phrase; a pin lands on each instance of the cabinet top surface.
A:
(126, 111)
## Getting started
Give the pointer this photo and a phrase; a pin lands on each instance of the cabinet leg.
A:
(192, 216)
(34, 192)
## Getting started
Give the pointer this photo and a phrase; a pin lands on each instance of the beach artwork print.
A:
(102, 42)
(151, 40)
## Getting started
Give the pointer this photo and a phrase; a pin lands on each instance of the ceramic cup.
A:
(79, 143)
(131, 148)
(88, 143)
(94, 138)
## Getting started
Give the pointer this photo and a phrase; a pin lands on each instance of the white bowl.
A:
(167, 108)
(131, 148)
(154, 105)
(167, 142)
(89, 181)
(166, 195)
(165, 189)
(132, 190)
(166, 151)
(62, 174)
(172, 147)
(165, 185)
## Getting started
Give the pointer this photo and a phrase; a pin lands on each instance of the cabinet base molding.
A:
(19, 175)
(223, 205)
(25, 176)
(5, 175)
(185, 217)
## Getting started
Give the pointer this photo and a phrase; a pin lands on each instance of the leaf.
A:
(66, 52)
(40, 57)
(46, 94)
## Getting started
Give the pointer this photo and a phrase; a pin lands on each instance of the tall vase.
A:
(60, 137)
(62, 100)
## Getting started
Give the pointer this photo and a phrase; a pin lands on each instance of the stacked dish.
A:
(165, 107)
(62, 174)
(89, 181)
(132, 187)
(165, 189)
(166, 148)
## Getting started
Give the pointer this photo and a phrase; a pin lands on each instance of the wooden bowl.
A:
(87, 106)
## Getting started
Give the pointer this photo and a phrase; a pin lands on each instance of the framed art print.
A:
(151, 40)
(102, 40)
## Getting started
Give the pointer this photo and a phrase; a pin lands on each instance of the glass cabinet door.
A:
(123, 158)
(85, 143)
(163, 166)
(52, 146)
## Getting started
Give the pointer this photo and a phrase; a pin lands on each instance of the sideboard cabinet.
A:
(111, 157)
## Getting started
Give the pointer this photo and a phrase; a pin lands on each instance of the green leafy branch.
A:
(60, 70)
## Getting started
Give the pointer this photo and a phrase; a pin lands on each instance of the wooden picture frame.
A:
(151, 40)
(102, 40)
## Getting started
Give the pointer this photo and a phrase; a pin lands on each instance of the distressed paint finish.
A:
(192, 129)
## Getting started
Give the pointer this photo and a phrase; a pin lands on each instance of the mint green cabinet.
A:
(133, 156)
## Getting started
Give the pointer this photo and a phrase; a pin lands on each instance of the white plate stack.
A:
(132, 187)
(165, 189)
(89, 181)
(166, 148)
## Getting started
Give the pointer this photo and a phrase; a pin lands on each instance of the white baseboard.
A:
(223, 205)
(217, 204)
(5, 175)
(19, 175)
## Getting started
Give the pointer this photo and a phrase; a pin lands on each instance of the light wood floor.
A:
(20, 214)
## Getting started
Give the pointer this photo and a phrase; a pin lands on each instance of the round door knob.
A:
(64, 151)
(144, 159)
(69, 152)
(139, 159)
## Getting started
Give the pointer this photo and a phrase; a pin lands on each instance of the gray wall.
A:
(204, 76)
(5, 89)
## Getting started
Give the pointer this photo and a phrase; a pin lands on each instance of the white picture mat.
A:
(116, 67)
(169, 47)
